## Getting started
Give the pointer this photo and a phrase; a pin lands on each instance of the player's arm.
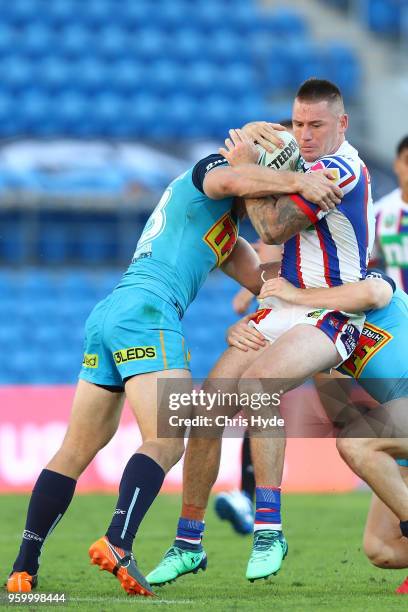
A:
(276, 219)
(251, 181)
(244, 266)
(371, 293)
(243, 178)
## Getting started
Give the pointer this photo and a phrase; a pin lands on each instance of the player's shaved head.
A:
(402, 145)
(317, 90)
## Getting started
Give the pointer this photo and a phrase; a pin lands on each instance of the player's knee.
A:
(378, 553)
(352, 450)
(166, 451)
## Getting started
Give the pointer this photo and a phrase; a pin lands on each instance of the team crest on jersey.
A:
(371, 340)
(221, 237)
(341, 173)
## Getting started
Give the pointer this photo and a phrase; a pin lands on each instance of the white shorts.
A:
(277, 317)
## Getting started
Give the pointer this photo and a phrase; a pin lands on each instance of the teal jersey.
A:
(379, 362)
(186, 236)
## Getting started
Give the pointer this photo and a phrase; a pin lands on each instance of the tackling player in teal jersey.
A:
(379, 365)
(134, 337)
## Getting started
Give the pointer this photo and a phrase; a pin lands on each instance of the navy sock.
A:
(141, 482)
(50, 499)
(404, 528)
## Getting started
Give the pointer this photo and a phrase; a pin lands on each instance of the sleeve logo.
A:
(221, 237)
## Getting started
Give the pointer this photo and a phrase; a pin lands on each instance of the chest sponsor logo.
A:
(90, 361)
(371, 340)
(221, 237)
(134, 353)
(395, 249)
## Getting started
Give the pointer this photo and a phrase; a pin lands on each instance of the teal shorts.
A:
(132, 332)
(403, 462)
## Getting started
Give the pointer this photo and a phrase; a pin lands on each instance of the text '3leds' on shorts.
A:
(131, 332)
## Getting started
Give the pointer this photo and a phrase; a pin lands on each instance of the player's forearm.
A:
(352, 297)
(276, 219)
(251, 181)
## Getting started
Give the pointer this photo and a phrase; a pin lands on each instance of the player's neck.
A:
(337, 146)
(404, 196)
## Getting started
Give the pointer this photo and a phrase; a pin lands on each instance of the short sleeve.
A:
(204, 166)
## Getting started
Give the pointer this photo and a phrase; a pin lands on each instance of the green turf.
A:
(325, 568)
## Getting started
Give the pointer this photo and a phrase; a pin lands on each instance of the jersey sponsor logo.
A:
(134, 353)
(395, 249)
(371, 340)
(90, 360)
(315, 314)
(221, 237)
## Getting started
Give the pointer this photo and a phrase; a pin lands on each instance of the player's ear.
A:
(344, 122)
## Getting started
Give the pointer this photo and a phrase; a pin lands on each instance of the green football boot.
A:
(268, 551)
(177, 562)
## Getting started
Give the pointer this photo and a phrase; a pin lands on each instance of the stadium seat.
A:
(148, 44)
(111, 43)
(75, 41)
(188, 44)
(383, 16)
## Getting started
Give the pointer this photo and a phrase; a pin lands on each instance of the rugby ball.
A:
(281, 159)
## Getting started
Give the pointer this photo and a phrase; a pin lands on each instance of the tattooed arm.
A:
(276, 220)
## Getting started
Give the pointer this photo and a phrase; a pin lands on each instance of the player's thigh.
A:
(233, 362)
(299, 353)
(382, 524)
(94, 417)
(224, 378)
(148, 397)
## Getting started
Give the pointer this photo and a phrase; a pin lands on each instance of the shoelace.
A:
(170, 554)
(264, 541)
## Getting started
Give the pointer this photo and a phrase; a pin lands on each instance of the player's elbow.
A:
(378, 293)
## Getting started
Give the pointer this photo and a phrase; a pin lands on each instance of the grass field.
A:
(325, 568)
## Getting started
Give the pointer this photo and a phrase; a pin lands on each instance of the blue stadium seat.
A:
(284, 22)
(70, 110)
(97, 13)
(16, 72)
(75, 41)
(89, 75)
(148, 44)
(20, 12)
(8, 39)
(111, 43)
(226, 46)
(108, 107)
(383, 16)
(59, 12)
(127, 75)
(53, 245)
(55, 73)
(344, 68)
(188, 44)
(36, 40)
